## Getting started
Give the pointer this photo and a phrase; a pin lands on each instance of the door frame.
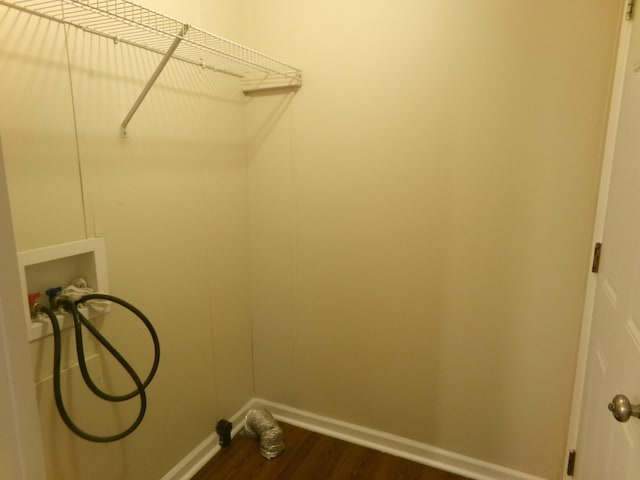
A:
(603, 197)
(20, 421)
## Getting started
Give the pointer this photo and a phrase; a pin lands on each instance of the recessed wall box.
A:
(57, 266)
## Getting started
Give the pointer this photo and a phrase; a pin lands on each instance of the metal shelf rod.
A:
(152, 80)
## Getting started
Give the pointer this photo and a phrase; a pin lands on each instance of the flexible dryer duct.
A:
(260, 424)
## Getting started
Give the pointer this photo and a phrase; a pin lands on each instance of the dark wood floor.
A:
(311, 456)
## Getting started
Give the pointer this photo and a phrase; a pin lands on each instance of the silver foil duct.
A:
(260, 424)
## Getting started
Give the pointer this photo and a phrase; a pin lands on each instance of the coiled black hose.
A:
(80, 320)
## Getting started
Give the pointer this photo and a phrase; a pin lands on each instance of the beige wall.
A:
(421, 215)
(418, 230)
(171, 202)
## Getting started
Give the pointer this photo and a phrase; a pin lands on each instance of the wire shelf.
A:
(127, 22)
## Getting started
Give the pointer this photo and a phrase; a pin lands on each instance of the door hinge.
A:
(571, 463)
(595, 266)
(630, 10)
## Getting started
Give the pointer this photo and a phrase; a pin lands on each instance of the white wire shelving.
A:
(130, 23)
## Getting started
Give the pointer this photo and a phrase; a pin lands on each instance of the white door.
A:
(607, 449)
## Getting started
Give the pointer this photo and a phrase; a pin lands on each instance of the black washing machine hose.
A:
(79, 320)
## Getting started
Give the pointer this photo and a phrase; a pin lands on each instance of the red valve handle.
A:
(33, 298)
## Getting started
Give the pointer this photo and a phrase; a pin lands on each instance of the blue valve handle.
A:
(53, 292)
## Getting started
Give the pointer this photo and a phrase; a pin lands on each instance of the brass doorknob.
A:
(622, 409)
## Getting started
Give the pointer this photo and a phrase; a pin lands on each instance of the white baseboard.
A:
(199, 456)
(377, 440)
(394, 445)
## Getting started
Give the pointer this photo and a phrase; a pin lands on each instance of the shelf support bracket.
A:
(152, 80)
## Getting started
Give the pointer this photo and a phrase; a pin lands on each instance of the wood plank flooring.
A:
(311, 456)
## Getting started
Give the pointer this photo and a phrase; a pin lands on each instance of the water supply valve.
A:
(52, 293)
(33, 301)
